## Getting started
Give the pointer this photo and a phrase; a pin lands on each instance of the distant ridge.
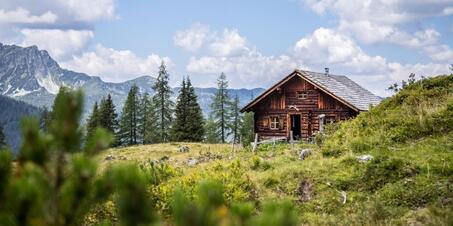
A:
(31, 75)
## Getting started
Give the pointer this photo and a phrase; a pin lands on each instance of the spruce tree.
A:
(2, 138)
(179, 128)
(195, 120)
(108, 118)
(236, 120)
(45, 119)
(147, 120)
(188, 123)
(220, 108)
(93, 120)
(163, 104)
(129, 119)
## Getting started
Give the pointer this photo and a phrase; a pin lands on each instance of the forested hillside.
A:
(11, 112)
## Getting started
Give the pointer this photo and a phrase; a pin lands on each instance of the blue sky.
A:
(255, 43)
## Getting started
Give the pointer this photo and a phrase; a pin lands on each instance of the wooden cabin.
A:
(304, 101)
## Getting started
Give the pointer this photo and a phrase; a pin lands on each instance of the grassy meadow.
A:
(408, 180)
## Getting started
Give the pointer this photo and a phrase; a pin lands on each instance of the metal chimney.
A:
(327, 70)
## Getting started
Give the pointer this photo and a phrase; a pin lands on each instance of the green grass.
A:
(409, 180)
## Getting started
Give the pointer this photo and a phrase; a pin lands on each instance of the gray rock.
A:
(184, 148)
(192, 162)
(364, 158)
(164, 158)
(304, 153)
(305, 190)
(109, 157)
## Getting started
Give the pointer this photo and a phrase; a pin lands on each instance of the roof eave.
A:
(300, 73)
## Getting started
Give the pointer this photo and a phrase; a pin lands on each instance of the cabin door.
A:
(295, 126)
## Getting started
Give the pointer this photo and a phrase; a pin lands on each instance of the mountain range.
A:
(32, 76)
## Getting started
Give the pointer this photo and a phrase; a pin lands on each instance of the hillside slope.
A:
(11, 112)
(408, 179)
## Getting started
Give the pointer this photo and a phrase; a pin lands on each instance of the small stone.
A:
(192, 162)
(109, 158)
(364, 158)
(305, 190)
(164, 158)
(304, 153)
(184, 148)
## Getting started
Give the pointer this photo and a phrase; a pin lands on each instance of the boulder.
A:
(192, 162)
(304, 153)
(364, 158)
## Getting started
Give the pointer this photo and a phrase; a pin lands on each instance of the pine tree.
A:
(195, 120)
(163, 104)
(45, 119)
(179, 128)
(221, 108)
(93, 120)
(129, 119)
(108, 118)
(236, 120)
(189, 123)
(2, 138)
(147, 123)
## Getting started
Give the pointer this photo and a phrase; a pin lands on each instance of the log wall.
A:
(284, 101)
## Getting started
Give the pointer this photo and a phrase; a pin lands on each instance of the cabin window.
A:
(302, 95)
(275, 123)
(330, 119)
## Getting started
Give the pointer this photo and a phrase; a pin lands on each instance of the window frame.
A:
(329, 120)
(302, 95)
(274, 124)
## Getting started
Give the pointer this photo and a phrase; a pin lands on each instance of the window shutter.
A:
(280, 122)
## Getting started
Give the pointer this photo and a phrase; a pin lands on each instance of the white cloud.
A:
(448, 11)
(89, 10)
(115, 65)
(31, 22)
(250, 70)
(20, 15)
(399, 71)
(64, 10)
(227, 52)
(193, 38)
(327, 48)
(390, 12)
(61, 44)
(440, 53)
(323, 48)
(230, 43)
(384, 21)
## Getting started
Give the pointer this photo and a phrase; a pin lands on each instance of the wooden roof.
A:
(339, 87)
